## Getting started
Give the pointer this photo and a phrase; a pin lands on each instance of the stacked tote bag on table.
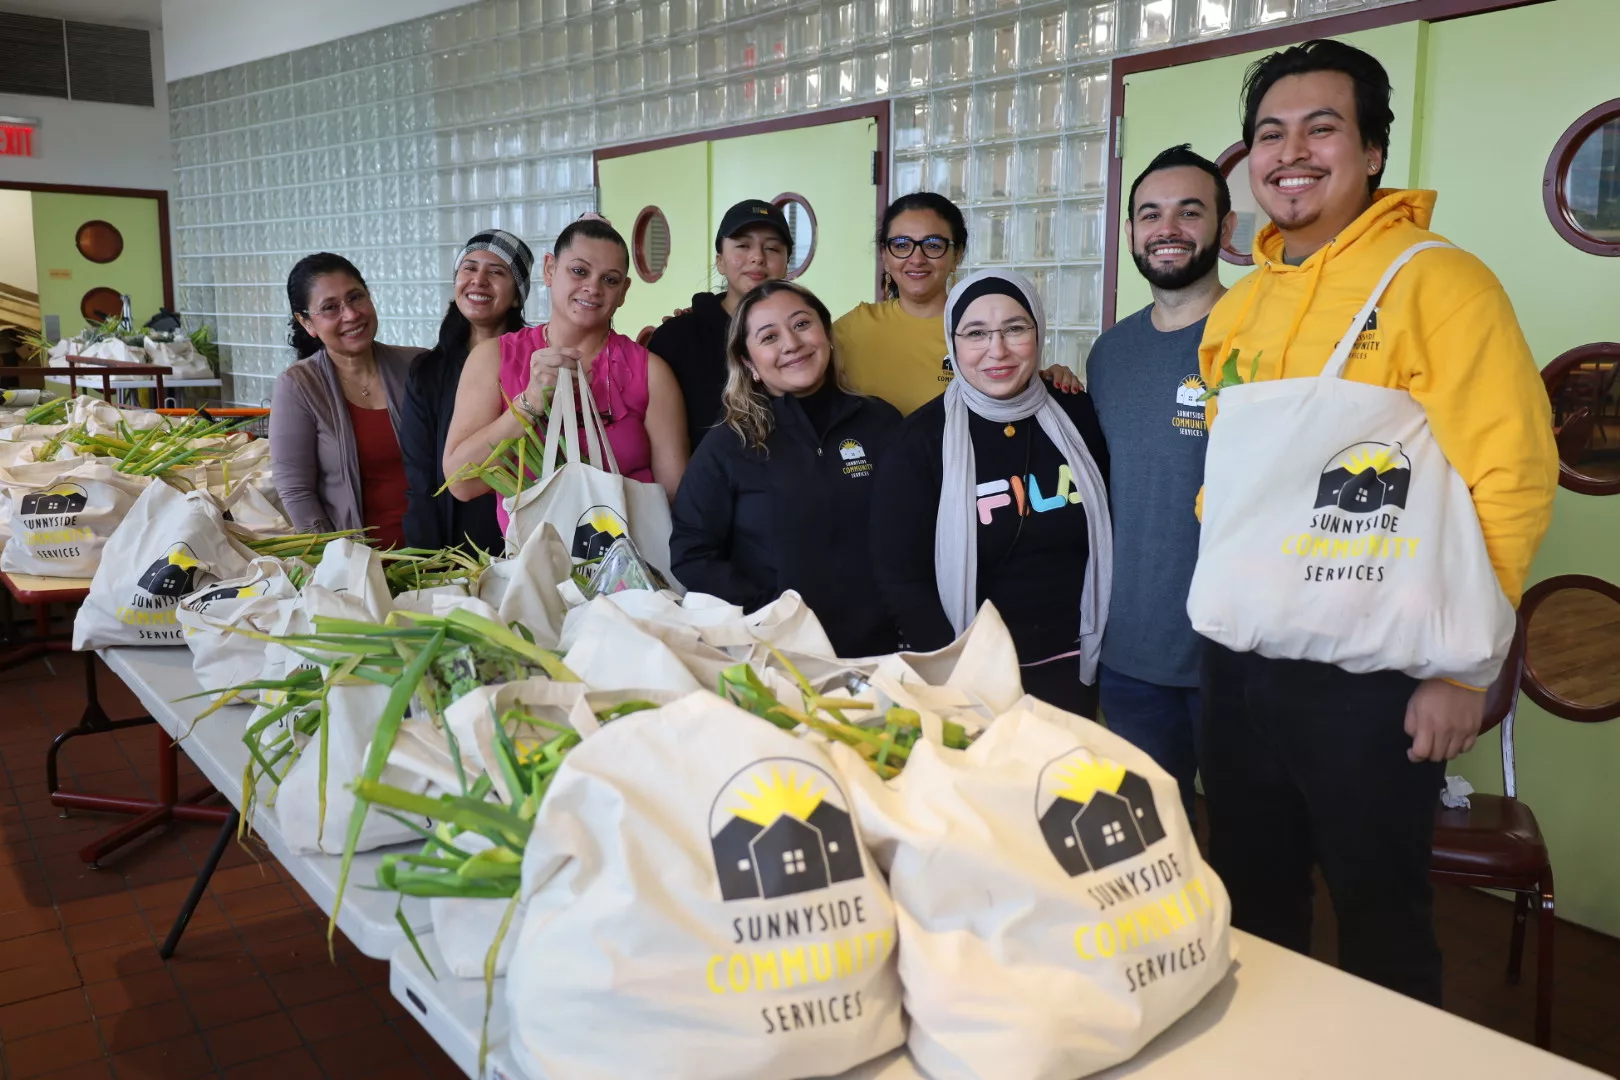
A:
(589, 505)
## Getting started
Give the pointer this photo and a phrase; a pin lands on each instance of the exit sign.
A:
(16, 140)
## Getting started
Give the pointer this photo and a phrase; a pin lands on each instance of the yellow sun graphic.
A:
(1193, 382)
(604, 521)
(778, 797)
(1380, 461)
(182, 558)
(247, 591)
(1083, 779)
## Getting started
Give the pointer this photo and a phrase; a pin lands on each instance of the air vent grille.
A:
(32, 57)
(110, 63)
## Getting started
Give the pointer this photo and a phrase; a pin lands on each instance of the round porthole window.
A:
(1250, 218)
(650, 244)
(1584, 385)
(1581, 186)
(801, 221)
(100, 304)
(99, 241)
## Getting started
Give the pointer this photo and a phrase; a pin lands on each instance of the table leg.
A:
(148, 814)
(226, 832)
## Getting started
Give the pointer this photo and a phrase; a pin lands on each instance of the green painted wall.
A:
(1492, 111)
(1198, 103)
(138, 271)
(676, 180)
(831, 166)
(1488, 110)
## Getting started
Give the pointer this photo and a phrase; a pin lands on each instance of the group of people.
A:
(904, 463)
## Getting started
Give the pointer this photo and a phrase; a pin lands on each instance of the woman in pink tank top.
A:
(635, 392)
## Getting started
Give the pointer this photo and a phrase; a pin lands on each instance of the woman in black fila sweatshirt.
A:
(779, 495)
(997, 490)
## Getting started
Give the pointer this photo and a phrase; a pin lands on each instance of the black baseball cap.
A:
(753, 212)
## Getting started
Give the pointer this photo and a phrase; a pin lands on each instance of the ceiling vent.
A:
(75, 60)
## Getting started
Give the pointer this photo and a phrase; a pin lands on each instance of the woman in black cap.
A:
(752, 246)
(997, 490)
(491, 285)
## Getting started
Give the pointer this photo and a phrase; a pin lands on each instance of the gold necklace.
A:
(1009, 431)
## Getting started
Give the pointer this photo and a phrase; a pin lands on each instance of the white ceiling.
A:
(147, 14)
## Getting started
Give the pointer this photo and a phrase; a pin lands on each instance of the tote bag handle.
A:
(575, 430)
(1341, 353)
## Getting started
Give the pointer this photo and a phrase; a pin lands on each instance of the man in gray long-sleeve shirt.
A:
(1142, 374)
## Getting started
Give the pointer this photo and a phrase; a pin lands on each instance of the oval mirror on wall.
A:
(1572, 647)
(1584, 385)
(1250, 218)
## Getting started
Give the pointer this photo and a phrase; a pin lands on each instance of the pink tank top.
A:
(618, 383)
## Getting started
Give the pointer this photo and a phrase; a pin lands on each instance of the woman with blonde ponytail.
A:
(780, 498)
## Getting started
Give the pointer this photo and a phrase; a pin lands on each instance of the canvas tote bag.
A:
(63, 514)
(695, 873)
(1055, 914)
(589, 505)
(1335, 530)
(169, 546)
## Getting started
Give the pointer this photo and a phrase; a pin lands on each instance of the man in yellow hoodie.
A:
(1306, 763)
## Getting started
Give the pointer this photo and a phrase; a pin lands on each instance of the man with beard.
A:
(1307, 764)
(1143, 378)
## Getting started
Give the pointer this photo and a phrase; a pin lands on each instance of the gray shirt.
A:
(313, 455)
(1145, 385)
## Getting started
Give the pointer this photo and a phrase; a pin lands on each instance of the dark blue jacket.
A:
(438, 521)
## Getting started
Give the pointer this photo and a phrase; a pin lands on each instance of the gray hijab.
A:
(956, 535)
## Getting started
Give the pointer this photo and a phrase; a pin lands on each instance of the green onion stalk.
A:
(49, 412)
(509, 468)
(156, 451)
(410, 569)
(884, 743)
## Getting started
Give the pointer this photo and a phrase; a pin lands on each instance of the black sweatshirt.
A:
(751, 524)
(694, 347)
(1032, 547)
(438, 521)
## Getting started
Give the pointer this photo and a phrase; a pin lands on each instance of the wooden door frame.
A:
(165, 245)
(870, 110)
(1275, 38)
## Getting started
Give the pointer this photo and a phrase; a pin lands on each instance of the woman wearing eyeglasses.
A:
(334, 414)
(587, 274)
(998, 491)
(895, 349)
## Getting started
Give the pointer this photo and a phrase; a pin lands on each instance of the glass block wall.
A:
(393, 146)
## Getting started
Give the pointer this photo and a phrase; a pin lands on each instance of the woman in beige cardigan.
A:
(335, 414)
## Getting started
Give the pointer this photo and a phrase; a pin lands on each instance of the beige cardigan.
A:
(313, 454)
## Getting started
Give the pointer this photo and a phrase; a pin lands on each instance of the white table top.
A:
(159, 676)
(1276, 1016)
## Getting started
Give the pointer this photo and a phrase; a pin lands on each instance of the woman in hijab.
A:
(491, 286)
(997, 490)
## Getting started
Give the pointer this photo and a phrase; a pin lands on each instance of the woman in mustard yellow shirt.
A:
(895, 349)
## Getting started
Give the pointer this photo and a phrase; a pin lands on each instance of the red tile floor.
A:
(251, 992)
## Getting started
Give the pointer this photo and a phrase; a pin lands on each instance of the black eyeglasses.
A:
(933, 247)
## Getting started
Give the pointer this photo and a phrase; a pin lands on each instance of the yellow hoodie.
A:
(1445, 332)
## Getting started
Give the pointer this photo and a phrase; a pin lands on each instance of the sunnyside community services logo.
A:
(152, 601)
(595, 532)
(1355, 529)
(780, 830)
(48, 521)
(1095, 814)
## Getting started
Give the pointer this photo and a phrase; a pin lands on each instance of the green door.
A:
(90, 249)
(826, 169)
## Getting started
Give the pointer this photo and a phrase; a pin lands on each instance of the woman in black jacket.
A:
(491, 284)
(997, 490)
(780, 496)
(752, 246)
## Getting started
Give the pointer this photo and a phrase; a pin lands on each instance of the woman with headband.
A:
(997, 491)
(587, 275)
(490, 288)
